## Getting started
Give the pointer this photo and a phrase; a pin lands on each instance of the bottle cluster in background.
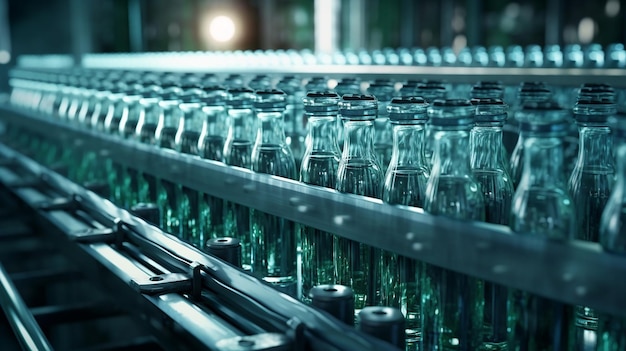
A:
(537, 158)
(513, 56)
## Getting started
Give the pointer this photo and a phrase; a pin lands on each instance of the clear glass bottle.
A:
(107, 106)
(165, 136)
(451, 303)
(145, 133)
(211, 147)
(238, 152)
(295, 120)
(347, 85)
(384, 91)
(360, 173)
(611, 335)
(542, 208)
(187, 139)
(260, 82)
(273, 239)
(405, 184)
(409, 88)
(591, 180)
(319, 167)
(529, 93)
(430, 91)
(491, 172)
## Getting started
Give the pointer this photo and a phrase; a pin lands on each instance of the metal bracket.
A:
(196, 282)
(57, 204)
(257, 342)
(113, 234)
(30, 182)
(296, 333)
(163, 284)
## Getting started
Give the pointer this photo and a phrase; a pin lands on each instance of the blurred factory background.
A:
(104, 26)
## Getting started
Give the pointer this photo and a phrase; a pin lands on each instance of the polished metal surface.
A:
(25, 327)
(142, 251)
(207, 62)
(565, 271)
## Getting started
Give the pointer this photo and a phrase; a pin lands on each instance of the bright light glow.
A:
(222, 29)
(5, 57)
(611, 9)
(586, 30)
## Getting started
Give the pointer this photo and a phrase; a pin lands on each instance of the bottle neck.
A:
(215, 122)
(486, 147)
(620, 180)
(451, 152)
(408, 141)
(241, 124)
(321, 136)
(358, 140)
(595, 147)
(271, 129)
(191, 119)
(170, 114)
(543, 162)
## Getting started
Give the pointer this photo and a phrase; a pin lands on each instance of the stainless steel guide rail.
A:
(189, 299)
(573, 272)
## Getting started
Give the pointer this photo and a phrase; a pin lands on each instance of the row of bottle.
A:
(549, 56)
(456, 183)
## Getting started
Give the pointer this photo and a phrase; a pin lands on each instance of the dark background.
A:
(104, 26)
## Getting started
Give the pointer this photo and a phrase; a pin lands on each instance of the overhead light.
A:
(222, 29)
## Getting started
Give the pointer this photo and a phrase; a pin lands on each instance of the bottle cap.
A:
(490, 110)
(225, 248)
(270, 100)
(321, 101)
(407, 109)
(317, 83)
(214, 95)
(544, 119)
(240, 98)
(337, 300)
(356, 107)
(385, 323)
(149, 212)
(451, 112)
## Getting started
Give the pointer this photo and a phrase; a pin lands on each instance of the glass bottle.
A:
(360, 173)
(451, 303)
(319, 167)
(187, 139)
(529, 93)
(409, 88)
(211, 147)
(145, 133)
(611, 335)
(165, 136)
(541, 207)
(591, 180)
(260, 82)
(273, 239)
(347, 85)
(430, 91)
(491, 172)
(383, 90)
(295, 121)
(238, 152)
(405, 184)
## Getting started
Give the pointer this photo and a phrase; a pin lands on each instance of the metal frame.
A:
(120, 251)
(574, 272)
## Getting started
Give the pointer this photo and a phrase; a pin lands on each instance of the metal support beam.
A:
(81, 34)
(447, 12)
(135, 30)
(554, 22)
(326, 25)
